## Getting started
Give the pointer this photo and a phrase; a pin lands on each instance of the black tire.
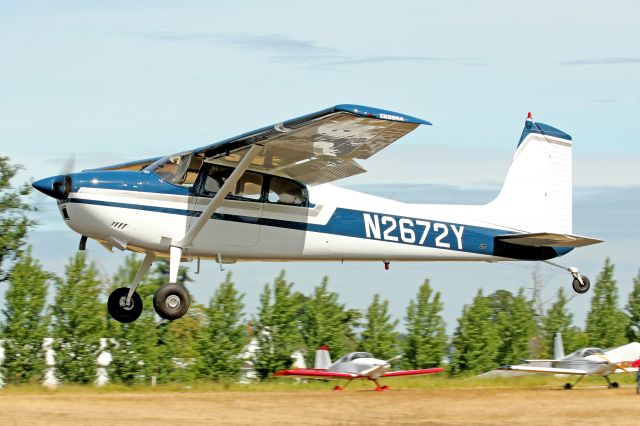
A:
(614, 385)
(171, 301)
(119, 311)
(568, 386)
(583, 287)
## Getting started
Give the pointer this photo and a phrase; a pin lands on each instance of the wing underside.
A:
(319, 148)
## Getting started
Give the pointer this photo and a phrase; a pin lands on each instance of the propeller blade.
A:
(69, 164)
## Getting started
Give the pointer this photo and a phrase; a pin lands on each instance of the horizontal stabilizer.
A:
(550, 370)
(548, 239)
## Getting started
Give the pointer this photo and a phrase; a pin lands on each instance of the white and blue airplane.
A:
(265, 196)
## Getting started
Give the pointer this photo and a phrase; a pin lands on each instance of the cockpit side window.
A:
(248, 187)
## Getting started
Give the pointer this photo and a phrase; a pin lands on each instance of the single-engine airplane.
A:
(264, 195)
(583, 362)
(354, 365)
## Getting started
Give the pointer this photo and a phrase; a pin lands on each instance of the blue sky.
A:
(114, 81)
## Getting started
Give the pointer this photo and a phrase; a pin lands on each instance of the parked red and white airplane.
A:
(264, 195)
(354, 365)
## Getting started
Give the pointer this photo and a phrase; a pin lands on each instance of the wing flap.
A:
(549, 370)
(310, 372)
(413, 372)
(548, 239)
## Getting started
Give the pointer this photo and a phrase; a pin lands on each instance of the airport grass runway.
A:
(582, 406)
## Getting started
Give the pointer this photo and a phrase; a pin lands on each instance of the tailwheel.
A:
(122, 311)
(581, 285)
(171, 301)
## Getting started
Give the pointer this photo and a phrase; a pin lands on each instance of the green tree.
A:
(78, 325)
(25, 324)
(633, 310)
(133, 346)
(515, 320)
(379, 336)
(476, 341)
(224, 334)
(277, 331)
(325, 321)
(426, 339)
(177, 346)
(606, 323)
(14, 220)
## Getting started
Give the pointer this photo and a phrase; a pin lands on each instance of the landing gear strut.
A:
(580, 283)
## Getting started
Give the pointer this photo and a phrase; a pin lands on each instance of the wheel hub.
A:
(124, 305)
(173, 301)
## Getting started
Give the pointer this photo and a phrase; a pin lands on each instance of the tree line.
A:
(206, 344)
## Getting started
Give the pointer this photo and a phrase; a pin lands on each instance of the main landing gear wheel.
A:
(614, 385)
(581, 287)
(568, 386)
(122, 311)
(171, 301)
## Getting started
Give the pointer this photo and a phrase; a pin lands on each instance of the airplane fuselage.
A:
(139, 211)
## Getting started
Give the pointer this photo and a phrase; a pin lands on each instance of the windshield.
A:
(179, 169)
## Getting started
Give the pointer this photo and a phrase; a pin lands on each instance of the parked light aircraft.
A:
(354, 365)
(264, 195)
(583, 362)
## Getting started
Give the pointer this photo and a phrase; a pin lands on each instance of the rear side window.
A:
(284, 191)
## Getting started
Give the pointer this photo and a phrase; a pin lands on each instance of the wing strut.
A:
(214, 204)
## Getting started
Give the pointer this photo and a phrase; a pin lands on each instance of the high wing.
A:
(548, 239)
(550, 370)
(413, 372)
(316, 148)
(311, 372)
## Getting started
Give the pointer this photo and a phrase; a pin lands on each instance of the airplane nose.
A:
(54, 186)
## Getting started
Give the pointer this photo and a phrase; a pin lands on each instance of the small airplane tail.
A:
(323, 359)
(537, 194)
(558, 346)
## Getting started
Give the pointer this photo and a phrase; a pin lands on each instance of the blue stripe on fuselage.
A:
(351, 223)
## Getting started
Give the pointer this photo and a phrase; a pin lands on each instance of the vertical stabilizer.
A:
(558, 347)
(537, 192)
(323, 359)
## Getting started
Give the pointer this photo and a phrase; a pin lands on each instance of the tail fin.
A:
(558, 347)
(537, 194)
(323, 359)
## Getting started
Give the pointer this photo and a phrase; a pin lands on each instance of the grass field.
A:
(429, 401)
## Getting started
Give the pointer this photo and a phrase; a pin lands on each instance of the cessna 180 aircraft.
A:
(583, 362)
(354, 365)
(264, 195)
